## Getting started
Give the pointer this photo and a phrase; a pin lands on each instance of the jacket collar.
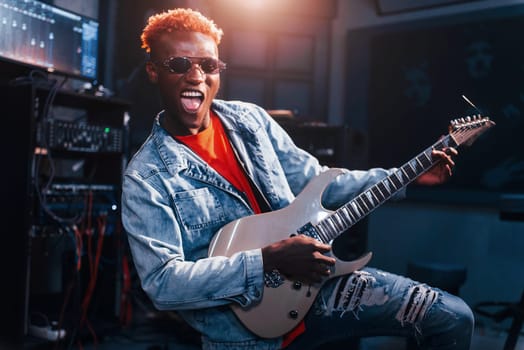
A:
(176, 157)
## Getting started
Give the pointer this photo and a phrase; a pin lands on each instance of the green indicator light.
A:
(106, 130)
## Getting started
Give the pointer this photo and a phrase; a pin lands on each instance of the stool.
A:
(506, 310)
(446, 276)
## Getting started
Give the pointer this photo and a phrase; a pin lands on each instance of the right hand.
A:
(300, 258)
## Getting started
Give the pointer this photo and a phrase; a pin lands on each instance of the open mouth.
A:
(191, 100)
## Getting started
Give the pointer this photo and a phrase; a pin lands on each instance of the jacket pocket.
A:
(198, 209)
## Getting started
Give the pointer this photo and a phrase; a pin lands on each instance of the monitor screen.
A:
(40, 35)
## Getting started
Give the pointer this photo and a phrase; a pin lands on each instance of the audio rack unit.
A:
(79, 137)
(70, 200)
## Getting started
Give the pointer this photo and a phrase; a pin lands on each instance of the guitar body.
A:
(281, 308)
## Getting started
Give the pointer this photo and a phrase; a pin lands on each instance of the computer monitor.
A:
(39, 35)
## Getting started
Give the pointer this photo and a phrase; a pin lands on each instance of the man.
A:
(208, 162)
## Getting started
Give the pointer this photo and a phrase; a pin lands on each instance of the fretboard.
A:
(355, 210)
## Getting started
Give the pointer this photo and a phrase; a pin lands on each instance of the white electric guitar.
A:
(285, 303)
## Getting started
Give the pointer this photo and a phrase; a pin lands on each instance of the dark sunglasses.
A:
(182, 65)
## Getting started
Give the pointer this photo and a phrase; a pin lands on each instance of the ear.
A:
(152, 72)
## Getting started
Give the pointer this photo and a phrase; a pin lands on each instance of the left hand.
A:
(441, 171)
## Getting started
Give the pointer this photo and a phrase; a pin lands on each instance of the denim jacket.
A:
(173, 203)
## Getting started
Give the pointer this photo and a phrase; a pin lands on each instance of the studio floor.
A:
(149, 329)
(155, 334)
(146, 342)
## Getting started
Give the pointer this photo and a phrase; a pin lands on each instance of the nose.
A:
(195, 74)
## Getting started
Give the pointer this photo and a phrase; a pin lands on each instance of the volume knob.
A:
(293, 314)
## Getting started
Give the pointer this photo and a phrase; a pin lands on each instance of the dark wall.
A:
(418, 73)
(129, 74)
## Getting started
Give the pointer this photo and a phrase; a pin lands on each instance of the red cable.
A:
(125, 300)
(78, 243)
(92, 281)
(89, 231)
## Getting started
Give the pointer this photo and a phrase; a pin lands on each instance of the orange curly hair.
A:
(179, 19)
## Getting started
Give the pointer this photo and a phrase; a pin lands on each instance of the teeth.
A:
(192, 94)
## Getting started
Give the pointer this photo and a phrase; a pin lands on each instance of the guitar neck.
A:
(355, 210)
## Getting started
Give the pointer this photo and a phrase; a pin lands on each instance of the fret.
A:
(439, 145)
(397, 184)
(331, 225)
(370, 196)
(320, 229)
(330, 230)
(428, 160)
(412, 172)
(325, 236)
(345, 216)
(367, 200)
(362, 204)
(377, 186)
(405, 178)
(399, 174)
(374, 190)
(352, 215)
(340, 223)
(384, 188)
(408, 178)
(356, 210)
(361, 212)
(415, 165)
(390, 186)
(419, 162)
(412, 165)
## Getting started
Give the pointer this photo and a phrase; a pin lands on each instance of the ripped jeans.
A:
(372, 302)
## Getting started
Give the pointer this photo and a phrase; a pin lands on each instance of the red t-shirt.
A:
(213, 146)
